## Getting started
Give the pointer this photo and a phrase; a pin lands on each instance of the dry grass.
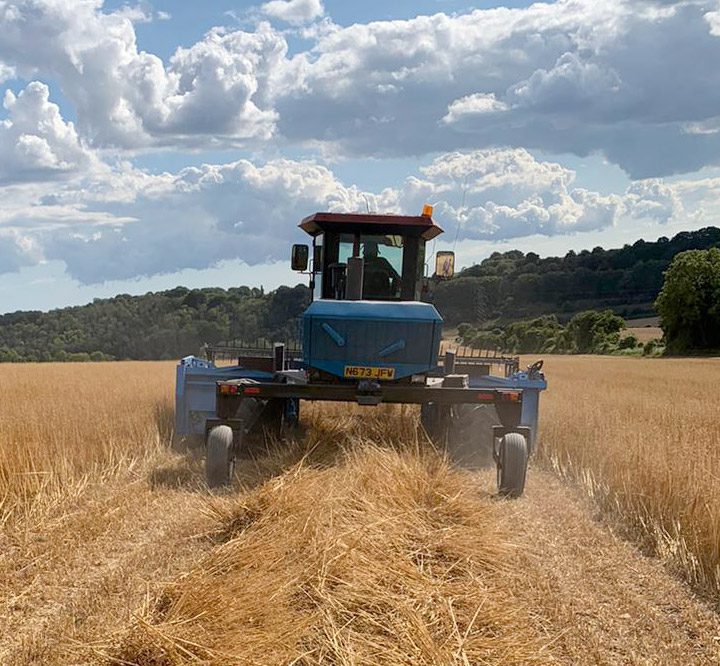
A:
(642, 436)
(63, 424)
(386, 556)
(357, 543)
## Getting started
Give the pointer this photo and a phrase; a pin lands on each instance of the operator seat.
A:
(376, 282)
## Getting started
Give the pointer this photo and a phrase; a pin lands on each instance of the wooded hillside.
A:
(513, 285)
(161, 325)
(504, 287)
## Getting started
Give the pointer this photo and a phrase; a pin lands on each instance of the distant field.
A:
(653, 322)
(644, 333)
(647, 328)
(642, 437)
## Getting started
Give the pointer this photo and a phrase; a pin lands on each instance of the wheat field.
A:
(64, 424)
(642, 436)
(357, 542)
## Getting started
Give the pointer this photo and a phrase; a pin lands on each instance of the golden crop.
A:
(643, 437)
(61, 424)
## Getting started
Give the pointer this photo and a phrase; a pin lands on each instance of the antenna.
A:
(460, 212)
(367, 203)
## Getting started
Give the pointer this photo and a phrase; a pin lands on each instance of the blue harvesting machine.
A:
(369, 338)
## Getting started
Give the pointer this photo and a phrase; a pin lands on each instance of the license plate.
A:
(362, 372)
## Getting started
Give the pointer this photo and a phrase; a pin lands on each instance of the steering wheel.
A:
(535, 368)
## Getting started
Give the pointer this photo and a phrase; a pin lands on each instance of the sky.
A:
(155, 143)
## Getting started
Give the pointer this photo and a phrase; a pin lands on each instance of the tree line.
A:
(511, 301)
(688, 305)
(158, 325)
(514, 285)
(589, 332)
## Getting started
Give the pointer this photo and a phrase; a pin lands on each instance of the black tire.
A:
(436, 420)
(219, 457)
(512, 465)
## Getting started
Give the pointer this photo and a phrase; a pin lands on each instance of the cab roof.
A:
(371, 223)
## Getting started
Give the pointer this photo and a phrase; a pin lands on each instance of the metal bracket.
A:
(500, 431)
(237, 426)
(368, 393)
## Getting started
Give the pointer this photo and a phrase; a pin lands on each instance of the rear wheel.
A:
(436, 421)
(512, 462)
(220, 457)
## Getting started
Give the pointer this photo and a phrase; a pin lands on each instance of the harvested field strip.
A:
(642, 437)
(387, 557)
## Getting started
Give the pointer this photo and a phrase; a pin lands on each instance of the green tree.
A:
(689, 302)
(595, 332)
(628, 342)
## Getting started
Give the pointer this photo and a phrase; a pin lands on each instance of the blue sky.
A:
(149, 144)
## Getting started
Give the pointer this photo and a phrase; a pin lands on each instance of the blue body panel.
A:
(400, 335)
(530, 386)
(404, 336)
(195, 384)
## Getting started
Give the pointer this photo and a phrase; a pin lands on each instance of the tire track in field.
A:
(607, 602)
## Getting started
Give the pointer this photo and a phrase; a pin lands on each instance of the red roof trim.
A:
(313, 224)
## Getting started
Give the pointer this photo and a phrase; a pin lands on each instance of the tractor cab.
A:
(368, 257)
(367, 320)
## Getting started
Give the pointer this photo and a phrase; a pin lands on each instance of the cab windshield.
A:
(382, 264)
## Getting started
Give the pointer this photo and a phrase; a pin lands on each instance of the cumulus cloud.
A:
(35, 142)
(473, 105)
(635, 81)
(654, 199)
(214, 91)
(502, 194)
(192, 219)
(497, 171)
(130, 223)
(124, 223)
(295, 12)
(16, 251)
(571, 83)
(713, 20)
(6, 72)
(573, 76)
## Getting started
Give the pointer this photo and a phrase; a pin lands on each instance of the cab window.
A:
(389, 265)
(382, 267)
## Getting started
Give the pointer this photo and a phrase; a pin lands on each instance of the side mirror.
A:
(445, 264)
(299, 257)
